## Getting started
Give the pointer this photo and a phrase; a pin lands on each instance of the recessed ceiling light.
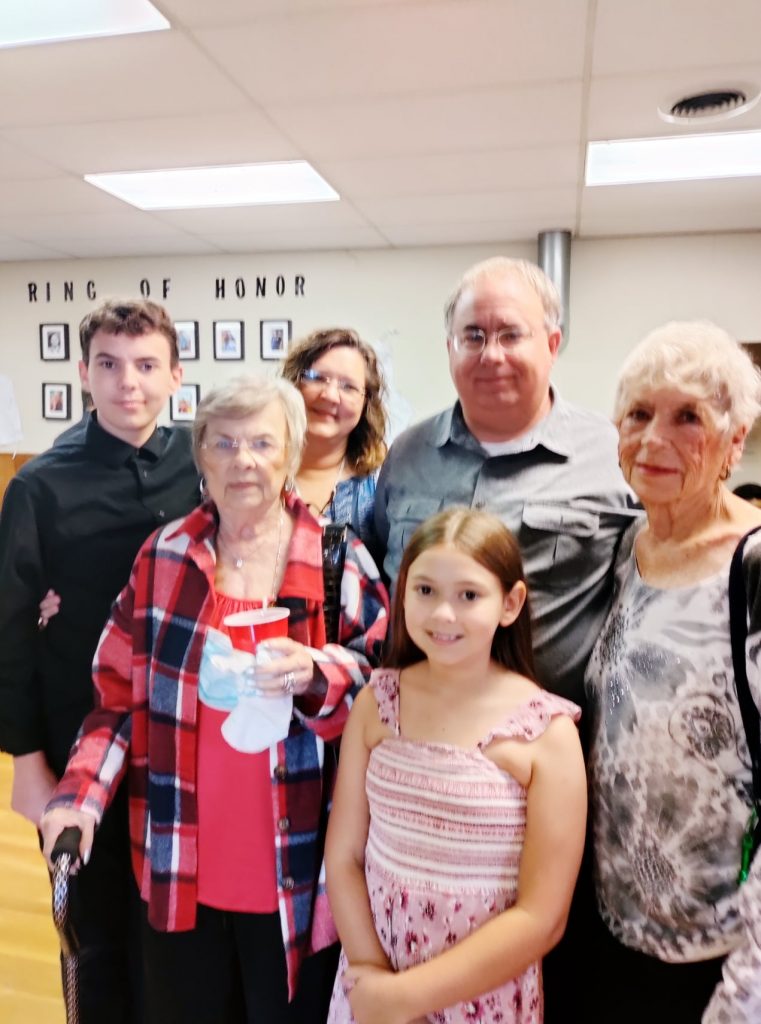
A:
(185, 188)
(26, 22)
(677, 158)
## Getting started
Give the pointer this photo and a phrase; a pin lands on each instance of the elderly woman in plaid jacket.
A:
(226, 826)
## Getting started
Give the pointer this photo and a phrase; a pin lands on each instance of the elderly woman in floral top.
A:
(670, 777)
(224, 750)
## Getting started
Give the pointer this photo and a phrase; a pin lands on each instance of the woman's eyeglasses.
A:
(225, 448)
(319, 381)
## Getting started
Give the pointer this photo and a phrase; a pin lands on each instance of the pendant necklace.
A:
(239, 562)
(331, 497)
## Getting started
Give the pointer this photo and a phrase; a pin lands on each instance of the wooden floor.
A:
(30, 985)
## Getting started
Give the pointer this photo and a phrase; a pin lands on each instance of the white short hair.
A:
(506, 266)
(701, 359)
(243, 396)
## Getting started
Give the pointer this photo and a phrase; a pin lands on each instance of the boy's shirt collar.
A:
(115, 452)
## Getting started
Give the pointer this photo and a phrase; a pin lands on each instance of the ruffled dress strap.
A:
(528, 721)
(384, 683)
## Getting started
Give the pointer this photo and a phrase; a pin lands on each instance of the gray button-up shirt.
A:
(560, 491)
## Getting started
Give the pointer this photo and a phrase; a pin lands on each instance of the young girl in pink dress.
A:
(458, 821)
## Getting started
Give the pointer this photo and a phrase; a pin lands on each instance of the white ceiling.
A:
(438, 121)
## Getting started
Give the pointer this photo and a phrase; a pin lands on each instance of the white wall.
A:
(619, 290)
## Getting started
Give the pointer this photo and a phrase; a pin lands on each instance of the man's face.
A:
(503, 391)
(131, 379)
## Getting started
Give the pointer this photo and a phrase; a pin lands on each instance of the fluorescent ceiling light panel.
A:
(189, 188)
(676, 158)
(25, 22)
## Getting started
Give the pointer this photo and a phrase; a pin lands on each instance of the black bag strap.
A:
(333, 558)
(738, 630)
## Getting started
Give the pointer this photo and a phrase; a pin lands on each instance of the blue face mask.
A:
(227, 682)
(226, 674)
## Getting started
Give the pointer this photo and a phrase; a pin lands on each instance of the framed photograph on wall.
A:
(56, 401)
(187, 338)
(54, 342)
(184, 402)
(274, 338)
(228, 339)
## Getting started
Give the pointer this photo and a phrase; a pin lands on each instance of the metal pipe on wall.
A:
(555, 260)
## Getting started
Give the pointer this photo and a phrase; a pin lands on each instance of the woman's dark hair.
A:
(487, 540)
(748, 492)
(366, 445)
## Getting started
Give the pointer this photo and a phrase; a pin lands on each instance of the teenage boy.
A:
(73, 520)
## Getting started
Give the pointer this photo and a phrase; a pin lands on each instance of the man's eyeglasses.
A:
(473, 340)
(225, 448)
(318, 381)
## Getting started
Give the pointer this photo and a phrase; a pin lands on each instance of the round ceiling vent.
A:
(710, 105)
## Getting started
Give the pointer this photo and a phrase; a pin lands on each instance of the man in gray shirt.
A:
(512, 446)
(549, 470)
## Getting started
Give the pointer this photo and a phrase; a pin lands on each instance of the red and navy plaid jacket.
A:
(146, 677)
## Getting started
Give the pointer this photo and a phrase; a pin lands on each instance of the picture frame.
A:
(54, 343)
(187, 338)
(184, 403)
(228, 339)
(274, 338)
(56, 401)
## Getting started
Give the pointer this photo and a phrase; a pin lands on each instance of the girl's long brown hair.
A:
(487, 540)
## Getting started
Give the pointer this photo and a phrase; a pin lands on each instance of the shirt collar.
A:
(551, 432)
(113, 451)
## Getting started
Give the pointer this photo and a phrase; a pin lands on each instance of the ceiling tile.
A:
(520, 230)
(64, 228)
(420, 125)
(303, 240)
(672, 208)
(55, 195)
(284, 216)
(473, 171)
(376, 51)
(651, 35)
(552, 204)
(14, 249)
(159, 142)
(152, 74)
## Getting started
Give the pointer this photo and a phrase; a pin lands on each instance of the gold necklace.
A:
(239, 562)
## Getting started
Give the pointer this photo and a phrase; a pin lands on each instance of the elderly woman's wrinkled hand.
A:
(289, 668)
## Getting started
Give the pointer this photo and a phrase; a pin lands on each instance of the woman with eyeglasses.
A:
(343, 390)
(224, 738)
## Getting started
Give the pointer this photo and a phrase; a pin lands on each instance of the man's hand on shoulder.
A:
(33, 785)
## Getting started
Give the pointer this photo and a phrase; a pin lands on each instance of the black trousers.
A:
(569, 970)
(230, 969)
(104, 911)
(632, 988)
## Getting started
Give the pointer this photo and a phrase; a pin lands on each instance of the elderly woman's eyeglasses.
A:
(225, 448)
(473, 340)
(319, 381)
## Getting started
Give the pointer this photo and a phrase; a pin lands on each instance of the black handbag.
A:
(333, 559)
(738, 629)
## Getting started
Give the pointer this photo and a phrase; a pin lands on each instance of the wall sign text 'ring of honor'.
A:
(222, 288)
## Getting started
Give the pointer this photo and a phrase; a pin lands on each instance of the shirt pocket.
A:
(558, 543)
(405, 516)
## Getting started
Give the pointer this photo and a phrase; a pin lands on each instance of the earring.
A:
(203, 489)
(288, 485)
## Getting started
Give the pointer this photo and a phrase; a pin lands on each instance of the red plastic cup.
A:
(247, 629)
